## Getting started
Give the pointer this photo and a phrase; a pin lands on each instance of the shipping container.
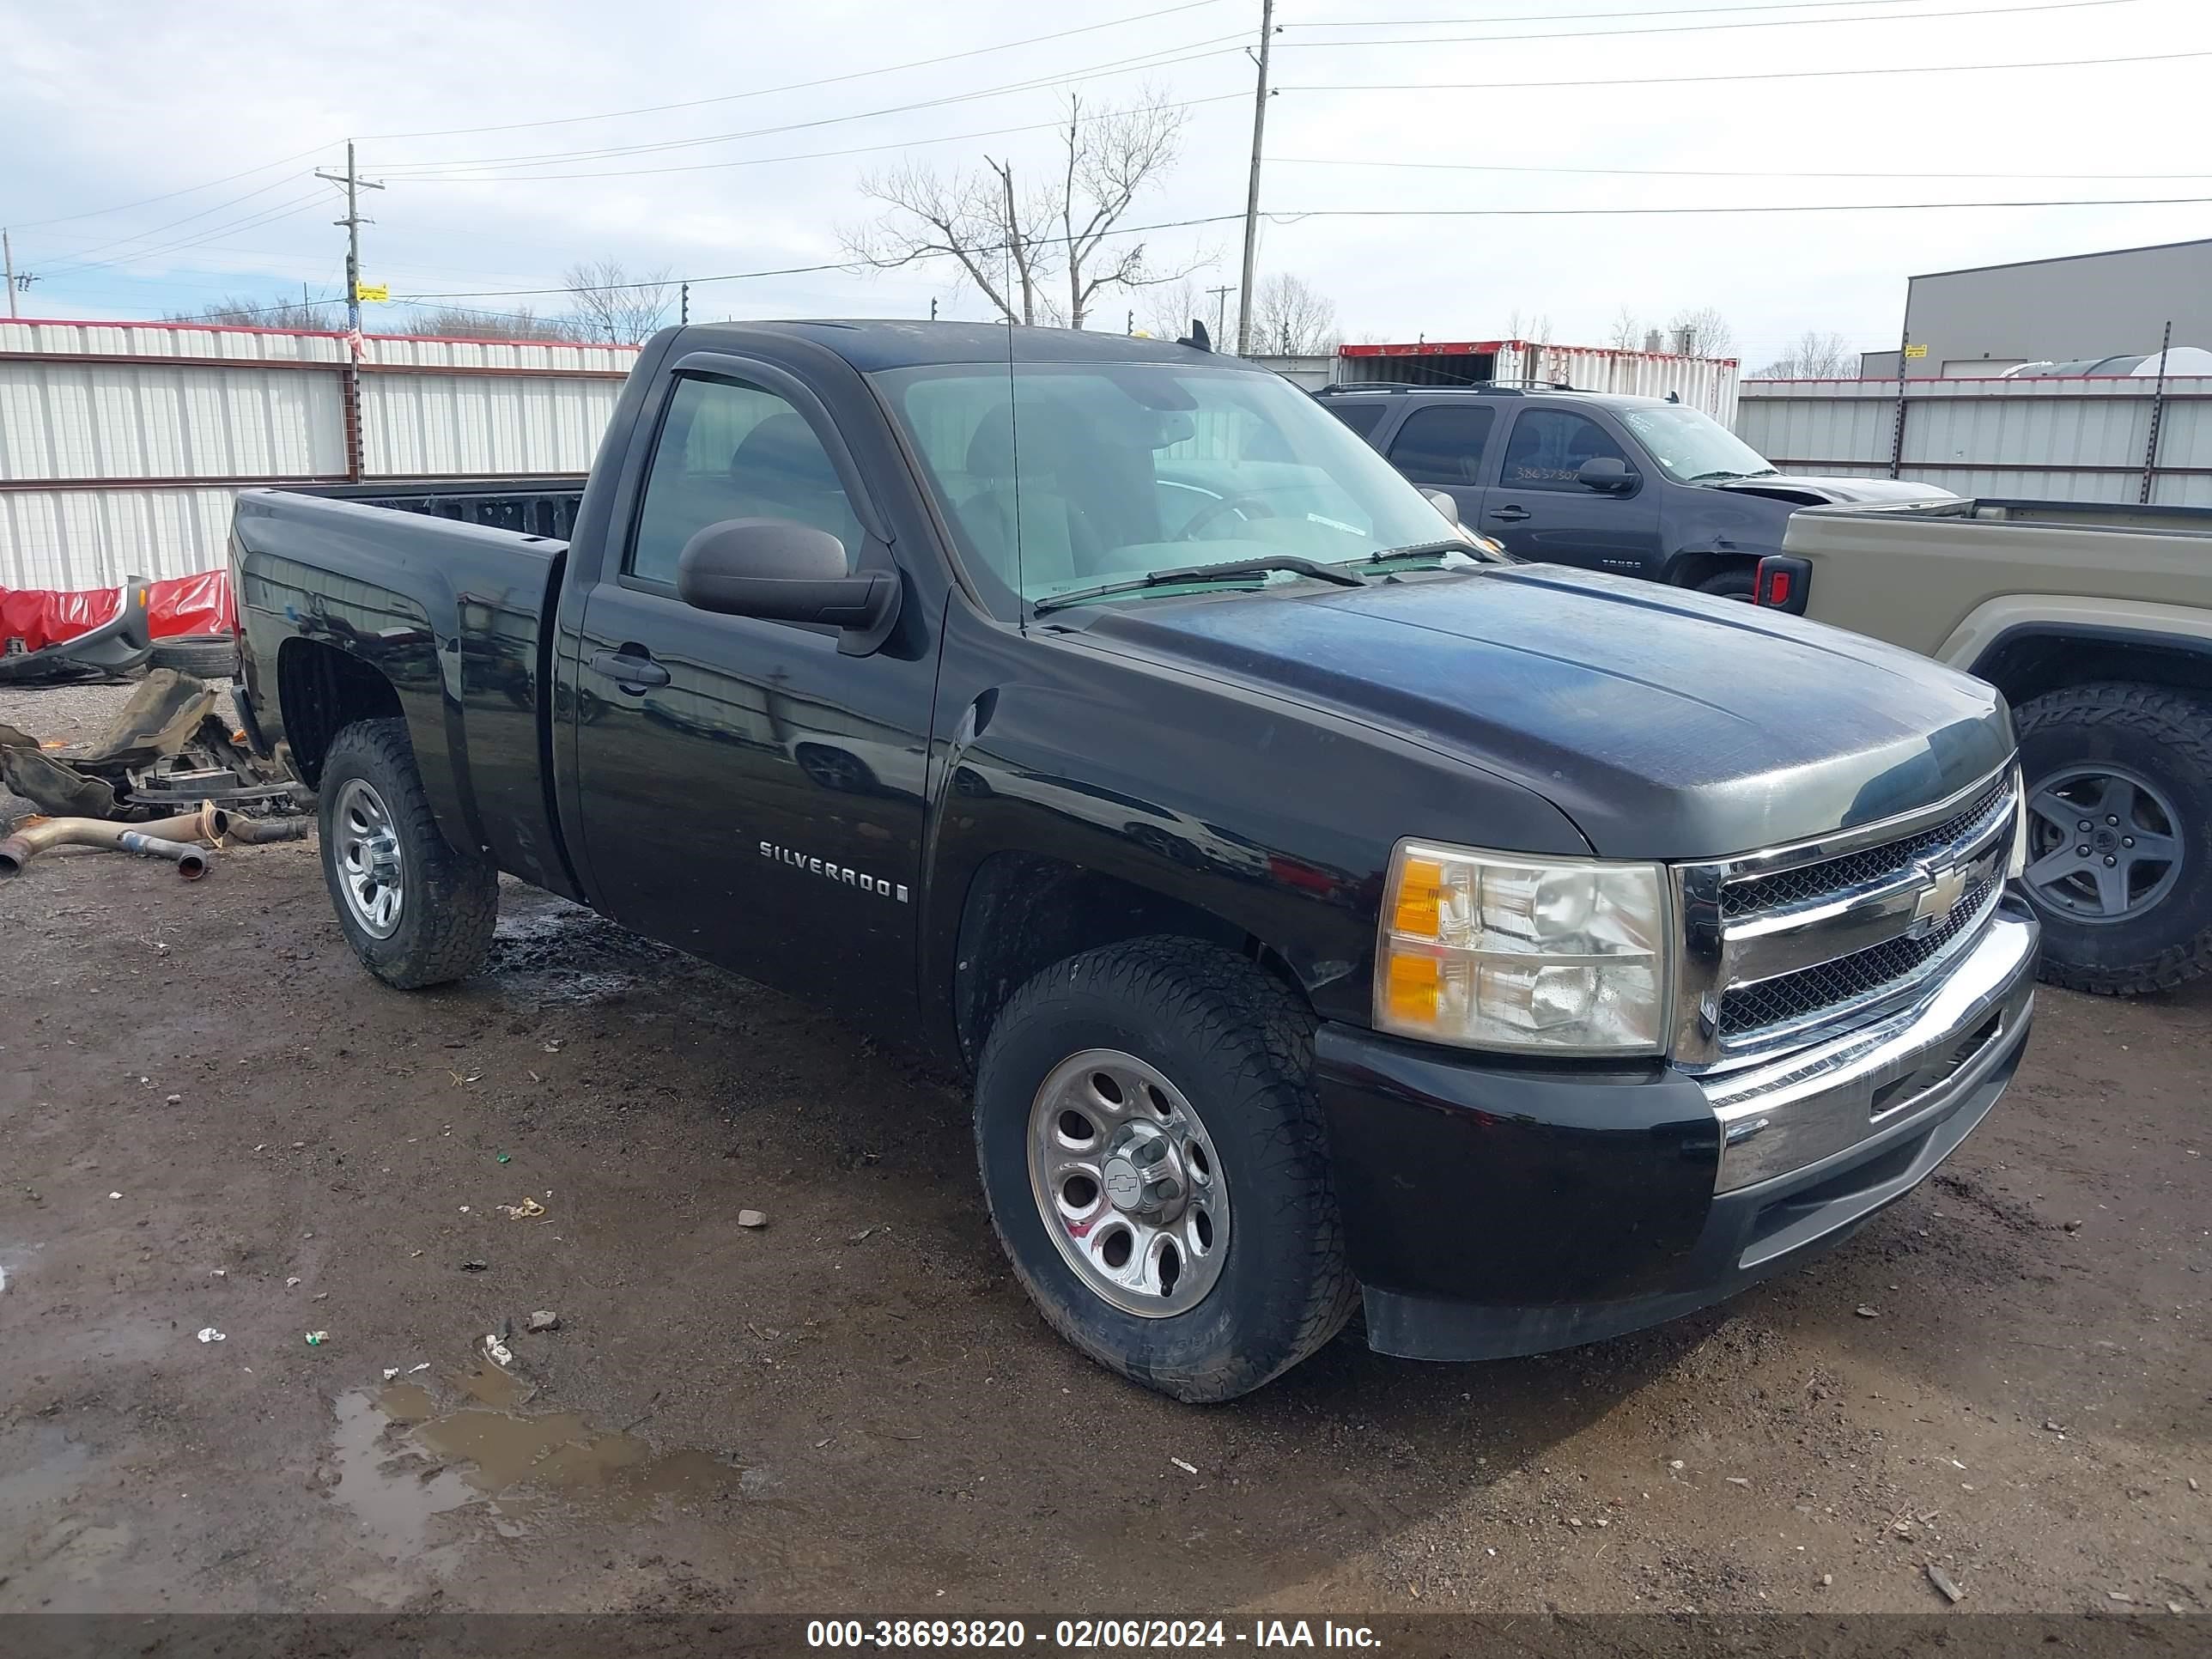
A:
(1702, 383)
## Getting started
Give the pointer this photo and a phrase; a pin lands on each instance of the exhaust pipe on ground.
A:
(166, 838)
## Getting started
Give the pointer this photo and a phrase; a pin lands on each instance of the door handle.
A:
(1510, 514)
(631, 671)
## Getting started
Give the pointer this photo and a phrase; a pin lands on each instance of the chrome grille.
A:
(1803, 943)
(1789, 998)
(1806, 882)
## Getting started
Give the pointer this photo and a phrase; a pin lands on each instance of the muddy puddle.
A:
(408, 1452)
(563, 953)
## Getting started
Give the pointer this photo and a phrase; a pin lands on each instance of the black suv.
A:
(1639, 485)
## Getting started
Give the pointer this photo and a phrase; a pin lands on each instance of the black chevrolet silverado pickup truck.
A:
(1330, 911)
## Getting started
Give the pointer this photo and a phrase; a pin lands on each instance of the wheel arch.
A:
(1696, 566)
(1023, 911)
(2031, 658)
(320, 691)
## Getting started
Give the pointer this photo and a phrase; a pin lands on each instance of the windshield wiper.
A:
(1418, 550)
(1205, 573)
(1713, 477)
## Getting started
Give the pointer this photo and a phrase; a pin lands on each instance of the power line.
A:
(825, 80)
(149, 235)
(1697, 172)
(1122, 66)
(1572, 16)
(1700, 29)
(1779, 207)
(1287, 217)
(101, 213)
(271, 215)
(1763, 75)
(810, 156)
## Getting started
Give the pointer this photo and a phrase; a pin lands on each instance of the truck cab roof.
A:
(870, 344)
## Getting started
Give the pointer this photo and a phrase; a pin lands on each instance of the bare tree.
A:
(324, 316)
(1010, 241)
(1627, 333)
(1700, 331)
(998, 236)
(1109, 160)
(609, 304)
(1813, 355)
(1533, 327)
(1292, 319)
(523, 322)
(1171, 306)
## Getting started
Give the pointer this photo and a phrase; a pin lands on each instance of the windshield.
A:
(1059, 477)
(1691, 447)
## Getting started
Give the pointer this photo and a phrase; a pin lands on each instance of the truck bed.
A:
(1946, 578)
(440, 588)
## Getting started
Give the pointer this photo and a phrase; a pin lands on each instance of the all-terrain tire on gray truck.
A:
(1158, 1169)
(2119, 835)
(417, 911)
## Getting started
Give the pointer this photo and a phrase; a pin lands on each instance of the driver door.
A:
(1540, 511)
(746, 792)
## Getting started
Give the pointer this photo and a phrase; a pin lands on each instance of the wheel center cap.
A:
(1124, 1185)
(2107, 839)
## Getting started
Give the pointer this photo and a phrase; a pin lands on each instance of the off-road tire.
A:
(2167, 737)
(1737, 582)
(204, 656)
(450, 898)
(1240, 1048)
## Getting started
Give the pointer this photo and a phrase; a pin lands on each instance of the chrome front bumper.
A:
(1911, 1065)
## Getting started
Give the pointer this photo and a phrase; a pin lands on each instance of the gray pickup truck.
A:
(2095, 621)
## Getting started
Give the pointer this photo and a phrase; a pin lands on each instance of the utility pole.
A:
(354, 184)
(356, 457)
(1221, 317)
(7, 251)
(1252, 193)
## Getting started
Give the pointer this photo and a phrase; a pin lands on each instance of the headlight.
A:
(1494, 950)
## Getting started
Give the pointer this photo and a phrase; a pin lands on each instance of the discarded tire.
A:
(204, 656)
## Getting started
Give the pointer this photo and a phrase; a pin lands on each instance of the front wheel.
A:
(416, 910)
(1156, 1168)
(1737, 582)
(2119, 835)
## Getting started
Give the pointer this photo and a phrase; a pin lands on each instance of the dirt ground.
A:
(210, 1117)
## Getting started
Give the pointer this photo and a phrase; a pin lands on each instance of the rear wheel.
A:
(1156, 1168)
(2119, 835)
(1739, 582)
(417, 911)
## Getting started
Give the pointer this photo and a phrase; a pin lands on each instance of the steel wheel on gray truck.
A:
(2119, 835)
(416, 911)
(1156, 1168)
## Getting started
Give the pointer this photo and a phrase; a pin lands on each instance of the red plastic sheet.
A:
(190, 605)
(184, 604)
(43, 617)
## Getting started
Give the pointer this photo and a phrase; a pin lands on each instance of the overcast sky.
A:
(102, 106)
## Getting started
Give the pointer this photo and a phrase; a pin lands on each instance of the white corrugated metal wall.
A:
(2053, 439)
(104, 427)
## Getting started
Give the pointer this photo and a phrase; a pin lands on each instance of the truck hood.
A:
(1666, 724)
(1823, 492)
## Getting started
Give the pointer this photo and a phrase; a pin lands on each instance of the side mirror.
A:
(780, 571)
(1443, 503)
(1608, 474)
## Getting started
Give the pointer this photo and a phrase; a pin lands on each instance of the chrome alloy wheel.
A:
(1128, 1183)
(370, 873)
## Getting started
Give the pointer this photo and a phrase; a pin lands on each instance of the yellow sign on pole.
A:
(368, 291)
(1912, 351)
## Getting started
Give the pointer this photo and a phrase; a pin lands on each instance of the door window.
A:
(728, 450)
(1362, 418)
(1442, 444)
(1548, 447)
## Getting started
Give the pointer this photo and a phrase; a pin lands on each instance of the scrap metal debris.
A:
(528, 1210)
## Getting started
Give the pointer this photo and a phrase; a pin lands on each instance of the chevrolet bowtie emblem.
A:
(1938, 899)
